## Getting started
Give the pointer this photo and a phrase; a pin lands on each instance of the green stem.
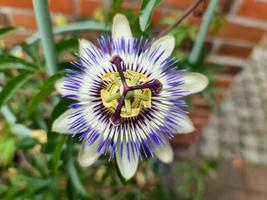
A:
(45, 28)
(57, 153)
(194, 56)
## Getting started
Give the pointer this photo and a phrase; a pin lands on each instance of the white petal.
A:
(194, 82)
(59, 85)
(88, 154)
(121, 28)
(127, 167)
(85, 45)
(164, 152)
(60, 124)
(185, 125)
(166, 44)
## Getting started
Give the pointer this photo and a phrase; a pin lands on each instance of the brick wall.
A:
(246, 25)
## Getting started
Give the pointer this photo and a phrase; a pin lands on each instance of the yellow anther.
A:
(128, 108)
(112, 97)
(148, 94)
(134, 100)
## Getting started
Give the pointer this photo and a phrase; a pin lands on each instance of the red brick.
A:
(197, 113)
(236, 51)
(200, 118)
(88, 8)
(185, 139)
(223, 83)
(264, 40)
(64, 6)
(199, 100)
(3, 20)
(253, 9)
(240, 32)
(219, 96)
(231, 70)
(24, 20)
(156, 17)
(225, 5)
(231, 30)
(16, 3)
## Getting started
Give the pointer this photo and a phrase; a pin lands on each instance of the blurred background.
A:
(226, 157)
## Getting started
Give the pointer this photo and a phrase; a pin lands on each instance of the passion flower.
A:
(128, 94)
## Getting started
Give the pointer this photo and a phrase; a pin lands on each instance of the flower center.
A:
(134, 100)
(127, 92)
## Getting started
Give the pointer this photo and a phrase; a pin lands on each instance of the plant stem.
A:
(45, 28)
(57, 153)
(180, 19)
(194, 56)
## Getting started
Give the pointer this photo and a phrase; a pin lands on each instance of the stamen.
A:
(128, 108)
(135, 79)
(112, 97)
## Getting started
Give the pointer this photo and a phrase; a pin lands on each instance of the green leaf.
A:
(7, 30)
(180, 38)
(3, 189)
(43, 93)
(27, 143)
(61, 107)
(192, 32)
(32, 50)
(66, 46)
(81, 26)
(57, 151)
(56, 142)
(37, 184)
(146, 12)
(40, 164)
(12, 86)
(74, 177)
(72, 171)
(116, 4)
(7, 149)
(11, 62)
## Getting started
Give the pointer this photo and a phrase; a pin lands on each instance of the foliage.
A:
(146, 13)
(6, 30)
(36, 163)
